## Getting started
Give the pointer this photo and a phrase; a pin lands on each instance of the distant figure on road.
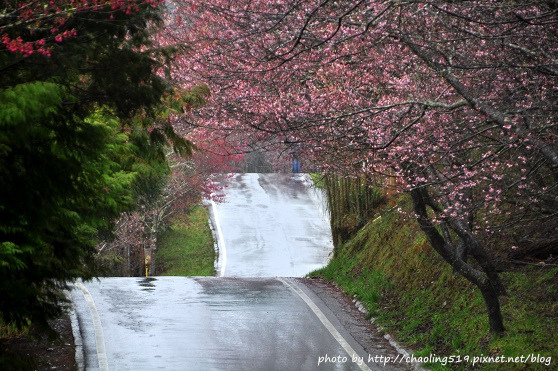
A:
(294, 147)
(296, 164)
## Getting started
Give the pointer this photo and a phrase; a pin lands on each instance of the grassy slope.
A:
(390, 266)
(186, 248)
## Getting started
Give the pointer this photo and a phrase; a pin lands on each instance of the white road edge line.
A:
(78, 342)
(222, 247)
(328, 325)
(99, 337)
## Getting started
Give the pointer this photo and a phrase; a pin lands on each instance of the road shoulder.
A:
(37, 352)
(354, 321)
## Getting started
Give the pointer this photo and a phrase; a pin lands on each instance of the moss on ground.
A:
(416, 296)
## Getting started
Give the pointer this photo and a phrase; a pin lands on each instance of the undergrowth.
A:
(390, 267)
(186, 248)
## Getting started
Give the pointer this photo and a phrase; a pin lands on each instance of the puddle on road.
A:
(147, 283)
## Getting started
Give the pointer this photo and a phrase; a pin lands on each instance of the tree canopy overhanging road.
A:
(116, 114)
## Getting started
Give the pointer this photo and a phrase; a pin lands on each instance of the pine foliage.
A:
(75, 149)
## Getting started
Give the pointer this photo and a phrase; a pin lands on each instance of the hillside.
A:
(390, 267)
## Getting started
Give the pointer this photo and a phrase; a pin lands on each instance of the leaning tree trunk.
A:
(486, 278)
(490, 296)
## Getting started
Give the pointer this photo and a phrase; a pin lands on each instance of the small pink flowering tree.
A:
(191, 178)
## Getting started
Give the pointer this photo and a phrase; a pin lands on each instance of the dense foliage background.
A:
(453, 103)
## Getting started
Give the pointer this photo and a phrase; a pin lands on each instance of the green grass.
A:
(318, 180)
(186, 248)
(416, 296)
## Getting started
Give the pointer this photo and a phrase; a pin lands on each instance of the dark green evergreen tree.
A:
(73, 153)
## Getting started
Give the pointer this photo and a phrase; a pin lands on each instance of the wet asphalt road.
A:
(180, 323)
(271, 226)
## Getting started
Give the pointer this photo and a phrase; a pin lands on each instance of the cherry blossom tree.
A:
(457, 100)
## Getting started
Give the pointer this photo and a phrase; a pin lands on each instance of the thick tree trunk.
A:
(486, 280)
(495, 320)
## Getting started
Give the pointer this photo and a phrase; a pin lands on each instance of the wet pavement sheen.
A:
(180, 323)
(272, 226)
